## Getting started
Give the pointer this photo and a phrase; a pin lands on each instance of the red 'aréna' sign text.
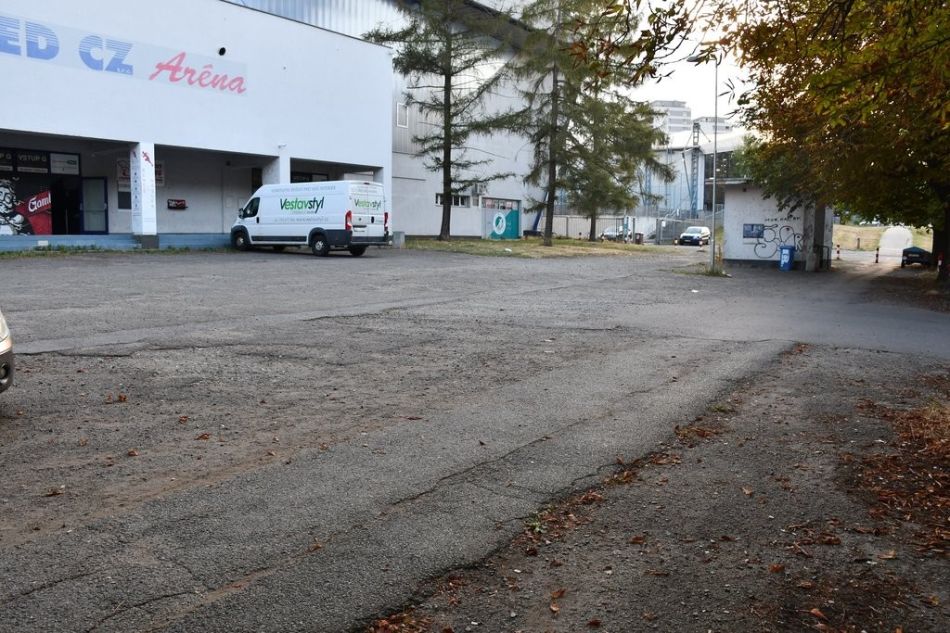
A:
(204, 77)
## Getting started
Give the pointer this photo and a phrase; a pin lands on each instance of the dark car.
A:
(915, 255)
(6, 355)
(698, 235)
(612, 235)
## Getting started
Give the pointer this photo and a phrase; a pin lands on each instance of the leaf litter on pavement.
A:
(776, 513)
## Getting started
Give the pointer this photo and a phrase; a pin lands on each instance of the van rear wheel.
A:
(356, 251)
(320, 246)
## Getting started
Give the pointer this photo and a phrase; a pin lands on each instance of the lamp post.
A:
(715, 167)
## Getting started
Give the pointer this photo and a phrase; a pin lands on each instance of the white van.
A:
(322, 215)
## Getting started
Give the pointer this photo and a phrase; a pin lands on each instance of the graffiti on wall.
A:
(775, 235)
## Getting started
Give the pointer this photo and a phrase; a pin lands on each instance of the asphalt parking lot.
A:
(276, 442)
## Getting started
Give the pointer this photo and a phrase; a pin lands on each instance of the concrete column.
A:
(277, 171)
(142, 174)
(813, 236)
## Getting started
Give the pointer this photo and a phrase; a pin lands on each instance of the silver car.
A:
(698, 235)
(6, 355)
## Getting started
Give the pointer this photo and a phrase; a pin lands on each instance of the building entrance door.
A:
(95, 206)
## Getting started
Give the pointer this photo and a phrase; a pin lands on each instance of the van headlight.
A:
(4, 330)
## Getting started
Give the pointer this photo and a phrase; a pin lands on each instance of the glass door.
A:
(95, 206)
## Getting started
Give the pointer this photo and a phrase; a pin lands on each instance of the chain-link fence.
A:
(655, 230)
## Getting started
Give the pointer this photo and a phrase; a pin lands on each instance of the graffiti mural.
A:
(777, 232)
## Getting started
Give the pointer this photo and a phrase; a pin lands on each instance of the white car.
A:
(698, 235)
(6, 355)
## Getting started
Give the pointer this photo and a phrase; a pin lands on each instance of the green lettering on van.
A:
(297, 204)
(367, 204)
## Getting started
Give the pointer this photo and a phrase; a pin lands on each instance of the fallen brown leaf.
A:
(891, 554)
(638, 539)
(558, 594)
(747, 491)
(204, 436)
(649, 616)
(133, 453)
(591, 497)
(555, 609)
(593, 624)
(776, 568)
(818, 614)
(54, 492)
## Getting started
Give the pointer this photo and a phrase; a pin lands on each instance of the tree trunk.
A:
(446, 229)
(593, 228)
(942, 248)
(552, 162)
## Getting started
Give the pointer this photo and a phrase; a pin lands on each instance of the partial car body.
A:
(697, 235)
(6, 355)
(915, 255)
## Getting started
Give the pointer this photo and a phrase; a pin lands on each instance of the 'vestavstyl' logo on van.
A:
(299, 204)
(367, 204)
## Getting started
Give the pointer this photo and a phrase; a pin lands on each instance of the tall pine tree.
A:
(450, 60)
(590, 140)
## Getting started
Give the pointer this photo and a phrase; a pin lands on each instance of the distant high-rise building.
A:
(672, 116)
(706, 124)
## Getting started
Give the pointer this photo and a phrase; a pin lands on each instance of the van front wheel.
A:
(239, 241)
(356, 251)
(320, 246)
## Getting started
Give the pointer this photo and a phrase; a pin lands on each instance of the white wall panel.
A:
(322, 95)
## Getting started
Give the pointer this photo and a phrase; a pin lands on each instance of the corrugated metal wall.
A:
(343, 16)
(353, 18)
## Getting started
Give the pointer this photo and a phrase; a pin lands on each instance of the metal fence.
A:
(656, 230)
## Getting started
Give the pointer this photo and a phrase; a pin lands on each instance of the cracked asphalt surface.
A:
(275, 442)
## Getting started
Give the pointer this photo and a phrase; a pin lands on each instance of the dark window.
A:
(251, 209)
(753, 231)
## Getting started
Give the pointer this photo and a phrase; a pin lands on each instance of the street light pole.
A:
(698, 59)
(712, 235)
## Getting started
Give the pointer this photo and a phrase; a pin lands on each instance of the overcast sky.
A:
(693, 84)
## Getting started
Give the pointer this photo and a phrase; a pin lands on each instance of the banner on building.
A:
(124, 175)
(24, 213)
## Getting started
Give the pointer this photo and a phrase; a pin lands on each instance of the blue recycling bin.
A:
(786, 257)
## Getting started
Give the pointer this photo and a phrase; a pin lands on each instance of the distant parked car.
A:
(698, 235)
(6, 355)
(915, 255)
(612, 234)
